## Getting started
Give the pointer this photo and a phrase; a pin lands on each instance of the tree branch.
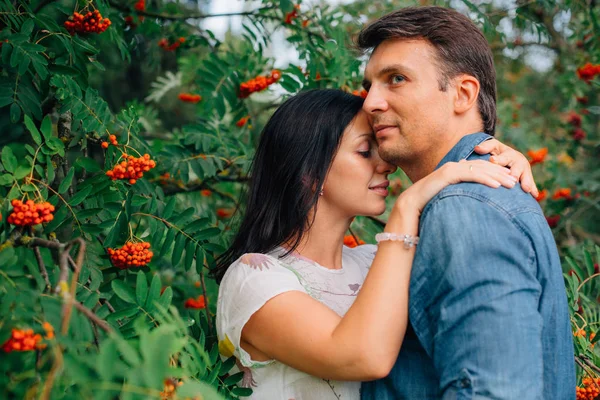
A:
(93, 317)
(174, 17)
(43, 271)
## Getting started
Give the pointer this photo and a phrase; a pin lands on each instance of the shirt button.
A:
(465, 383)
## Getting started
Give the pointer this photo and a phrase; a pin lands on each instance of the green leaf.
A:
(46, 127)
(190, 250)
(35, 134)
(6, 179)
(15, 113)
(167, 243)
(589, 264)
(141, 288)
(80, 196)
(88, 164)
(166, 298)
(168, 211)
(123, 290)
(233, 379)
(207, 233)
(9, 161)
(241, 391)
(154, 293)
(107, 358)
(286, 6)
(21, 172)
(67, 181)
(180, 243)
(227, 365)
(91, 301)
(576, 268)
(128, 352)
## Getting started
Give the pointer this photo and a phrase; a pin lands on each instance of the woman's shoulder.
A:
(255, 265)
(362, 254)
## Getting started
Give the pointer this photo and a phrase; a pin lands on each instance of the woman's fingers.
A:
(481, 172)
(490, 174)
(509, 157)
(492, 146)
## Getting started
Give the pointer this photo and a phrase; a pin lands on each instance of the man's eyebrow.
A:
(386, 71)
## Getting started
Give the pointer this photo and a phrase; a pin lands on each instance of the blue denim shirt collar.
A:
(464, 147)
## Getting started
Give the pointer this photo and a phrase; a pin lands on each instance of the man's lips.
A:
(381, 130)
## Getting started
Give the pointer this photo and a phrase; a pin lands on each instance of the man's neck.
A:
(424, 164)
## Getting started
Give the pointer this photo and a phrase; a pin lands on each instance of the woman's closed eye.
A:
(365, 152)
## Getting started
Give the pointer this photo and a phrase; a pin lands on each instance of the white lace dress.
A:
(254, 279)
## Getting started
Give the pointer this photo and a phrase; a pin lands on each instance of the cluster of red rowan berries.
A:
(258, 84)
(131, 168)
(588, 72)
(131, 255)
(140, 5)
(23, 340)
(197, 303)
(170, 386)
(242, 121)
(590, 389)
(113, 141)
(363, 93)
(575, 120)
(189, 97)
(164, 44)
(30, 213)
(562, 193)
(289, 17)
(90, 22)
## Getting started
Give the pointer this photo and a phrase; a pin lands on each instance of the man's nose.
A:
(375, 102)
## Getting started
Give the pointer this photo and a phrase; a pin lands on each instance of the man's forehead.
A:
(398, 54)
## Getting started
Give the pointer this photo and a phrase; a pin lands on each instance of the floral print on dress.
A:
(256, 260)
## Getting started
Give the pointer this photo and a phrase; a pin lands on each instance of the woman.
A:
(296, 307)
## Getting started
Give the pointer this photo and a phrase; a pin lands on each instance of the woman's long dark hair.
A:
(295, 152)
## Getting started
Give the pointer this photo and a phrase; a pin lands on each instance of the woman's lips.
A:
(381, 188)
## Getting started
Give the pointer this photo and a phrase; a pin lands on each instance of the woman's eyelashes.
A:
(366, 153)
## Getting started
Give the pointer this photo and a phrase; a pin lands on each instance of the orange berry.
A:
(104, 145)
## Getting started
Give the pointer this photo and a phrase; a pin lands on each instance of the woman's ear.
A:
(467, 92)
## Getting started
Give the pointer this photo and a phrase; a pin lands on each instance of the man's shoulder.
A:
(510, 202)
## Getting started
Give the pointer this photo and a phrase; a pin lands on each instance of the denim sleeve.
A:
(474, 301)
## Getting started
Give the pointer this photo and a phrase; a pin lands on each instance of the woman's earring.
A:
(321, 192)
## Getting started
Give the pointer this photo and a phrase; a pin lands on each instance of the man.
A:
(488, 308)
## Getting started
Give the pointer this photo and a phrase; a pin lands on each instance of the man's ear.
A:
(467, 92)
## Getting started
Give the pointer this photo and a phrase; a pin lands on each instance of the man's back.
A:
(487, 301)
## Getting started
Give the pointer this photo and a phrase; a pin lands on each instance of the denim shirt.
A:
(488, 308)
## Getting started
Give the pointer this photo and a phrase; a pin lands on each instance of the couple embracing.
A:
(462, 297)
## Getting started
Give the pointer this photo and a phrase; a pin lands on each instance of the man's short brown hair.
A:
(461, 48)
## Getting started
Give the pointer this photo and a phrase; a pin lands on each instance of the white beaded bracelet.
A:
(409, 240)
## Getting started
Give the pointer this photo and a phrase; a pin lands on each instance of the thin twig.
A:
(70, 299)
(590, 364)
(93, 317)
(43, 271)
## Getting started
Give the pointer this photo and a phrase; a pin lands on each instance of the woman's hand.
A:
(509, 157)
(478, 171)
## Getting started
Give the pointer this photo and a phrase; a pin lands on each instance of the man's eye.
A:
(397, 79)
